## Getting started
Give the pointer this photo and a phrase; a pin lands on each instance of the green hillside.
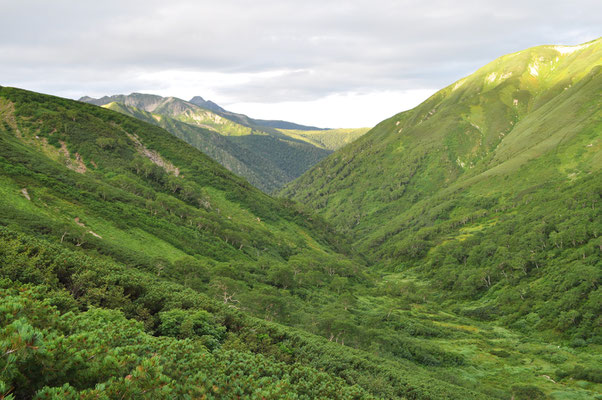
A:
(488, 193)
(267, 158)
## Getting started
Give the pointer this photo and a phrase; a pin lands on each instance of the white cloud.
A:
(189, 83)
(339, 110)
(271, 53)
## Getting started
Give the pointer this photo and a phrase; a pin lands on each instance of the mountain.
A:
(268, 158)
(147, 102)
(134, 264)
(178, 109)
(259, 171)
(488, 193)
(209, 105)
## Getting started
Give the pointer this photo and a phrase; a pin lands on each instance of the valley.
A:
(451, 252)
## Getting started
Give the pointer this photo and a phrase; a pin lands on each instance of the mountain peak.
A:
(207, 104)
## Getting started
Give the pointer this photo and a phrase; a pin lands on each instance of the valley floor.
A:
(495, 358)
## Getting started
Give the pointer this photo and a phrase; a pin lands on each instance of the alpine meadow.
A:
(157, 248)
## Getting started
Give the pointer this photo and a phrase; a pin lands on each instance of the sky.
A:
(326, 63)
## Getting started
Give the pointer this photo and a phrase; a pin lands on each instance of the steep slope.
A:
(265, 156)
(260, 172)
(133, 264)
(115, 155)
(490, 189)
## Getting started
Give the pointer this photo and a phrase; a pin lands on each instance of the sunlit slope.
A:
(538, 103)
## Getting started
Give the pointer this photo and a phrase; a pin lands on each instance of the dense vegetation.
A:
(489, 191)
(133, 266)
(266, 157)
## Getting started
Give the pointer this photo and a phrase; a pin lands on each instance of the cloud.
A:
(354, 109)
(272, 51)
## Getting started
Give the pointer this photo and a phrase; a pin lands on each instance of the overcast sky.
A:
(327, 63)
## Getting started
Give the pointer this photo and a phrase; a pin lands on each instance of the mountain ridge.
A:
(149, 102)
(266, 156)
(276, 124)
(489, 156)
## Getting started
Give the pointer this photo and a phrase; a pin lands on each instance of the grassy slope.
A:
(488, 194)
(91, 219)
(115, 161)
(466, 132)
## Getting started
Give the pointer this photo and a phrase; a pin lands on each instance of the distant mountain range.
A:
(267, 153)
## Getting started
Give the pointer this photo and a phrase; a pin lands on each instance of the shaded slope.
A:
(260, 172)
(266, 157)
(291, 156)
